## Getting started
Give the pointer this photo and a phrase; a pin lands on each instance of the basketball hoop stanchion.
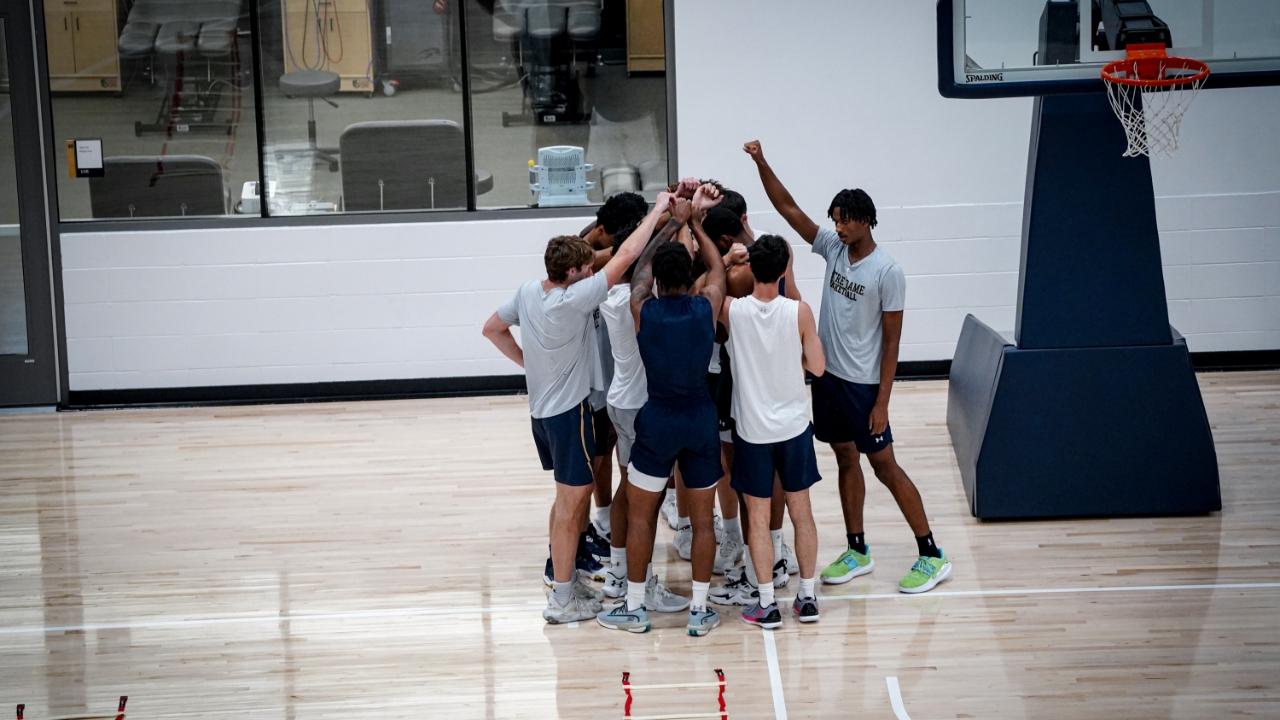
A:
(1150, 91)
(627, 687)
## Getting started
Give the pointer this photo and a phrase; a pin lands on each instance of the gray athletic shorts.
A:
(624, 423)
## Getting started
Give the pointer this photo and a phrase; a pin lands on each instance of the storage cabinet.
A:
(329, 35)
(646, 36)
(81, 39)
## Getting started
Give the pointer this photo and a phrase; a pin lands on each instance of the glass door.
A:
(28, 371)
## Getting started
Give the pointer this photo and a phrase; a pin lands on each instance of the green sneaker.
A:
(848, 566)
(925, 574)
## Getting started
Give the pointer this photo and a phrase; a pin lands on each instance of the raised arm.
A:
(498, 332)
(716, 284)
(812, 356)
(630, 249)
(891, 325)
(778, 195)
(642, 277)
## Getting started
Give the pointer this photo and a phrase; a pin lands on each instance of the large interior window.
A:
(364, 105)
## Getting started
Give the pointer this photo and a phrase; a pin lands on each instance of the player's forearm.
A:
(716, 274)
(506, 344)
(775, 190)
(888, 370)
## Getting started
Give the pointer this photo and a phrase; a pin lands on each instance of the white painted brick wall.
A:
(317, 304)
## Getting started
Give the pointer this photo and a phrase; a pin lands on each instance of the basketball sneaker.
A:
(727, 555)
(735, 592)
(597, 545)
(684, 542)
(780, 575)
(549, 573)
(589, 567)
(793, 566)
(702, 622)
(848, 566)
(806, 609)
(926, 574)
(576, 610)
(583, 590)
(615, 582)
(767, 618)
(669, 511)
(718, 522)
(623, 618)
(660, 598)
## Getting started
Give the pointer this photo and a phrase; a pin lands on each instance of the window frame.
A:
(59, 226)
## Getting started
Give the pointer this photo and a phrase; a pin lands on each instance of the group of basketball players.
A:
(677, 336)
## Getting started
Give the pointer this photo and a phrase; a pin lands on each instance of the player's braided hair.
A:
(672, 266)
(853, 205)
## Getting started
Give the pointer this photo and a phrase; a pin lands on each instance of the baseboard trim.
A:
(489, 385)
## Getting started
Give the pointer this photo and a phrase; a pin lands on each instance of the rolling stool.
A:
(312, 84)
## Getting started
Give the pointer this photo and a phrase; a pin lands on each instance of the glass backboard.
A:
(1003, 48)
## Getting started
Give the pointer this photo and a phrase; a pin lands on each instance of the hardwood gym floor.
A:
(382, 560)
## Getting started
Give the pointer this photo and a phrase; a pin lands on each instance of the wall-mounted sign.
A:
(84, 158)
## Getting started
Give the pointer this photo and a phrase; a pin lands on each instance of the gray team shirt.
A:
(853, 298)
(561, 349)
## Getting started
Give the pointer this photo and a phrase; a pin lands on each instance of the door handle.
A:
(77, 23)
(65, 24)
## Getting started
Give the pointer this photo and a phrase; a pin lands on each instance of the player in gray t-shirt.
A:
(863, 296)
(562, 366)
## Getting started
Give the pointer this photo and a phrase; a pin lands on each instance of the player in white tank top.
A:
(772, 341)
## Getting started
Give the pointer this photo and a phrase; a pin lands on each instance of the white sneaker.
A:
(669, 511)
(659, 598)
(727, 555)
(793, 567)
(719, 525)
(582, 590)
(735, 574)
(737, 592)
(615, 582)
(684, 542)
(577, 610)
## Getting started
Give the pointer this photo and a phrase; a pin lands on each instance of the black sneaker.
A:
(549, 573)
(805, 609)
(589, 568)
(597, 546)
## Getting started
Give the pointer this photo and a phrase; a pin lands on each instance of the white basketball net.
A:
(1152, 123)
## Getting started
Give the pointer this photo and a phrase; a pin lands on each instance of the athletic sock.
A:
(927, 547)
(700, 591)
(777, 545)
(562, 592)
(857, 542)
(766, 595)
(683, 523)
(603, 520)
(806, 589)
(733, 528)
(635, 595)
(751, 569)
(618, 559)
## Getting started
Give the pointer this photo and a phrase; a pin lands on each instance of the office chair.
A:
(406, 165)
(159, 186)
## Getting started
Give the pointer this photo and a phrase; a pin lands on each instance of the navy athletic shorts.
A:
(566, 444)
(724, 393)
(667, 433)
(793, 460)
(842, 413)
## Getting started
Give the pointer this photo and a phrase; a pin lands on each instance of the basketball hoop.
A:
(1167, 86)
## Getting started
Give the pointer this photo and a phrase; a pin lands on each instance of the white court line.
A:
(775, 675)
(148, 623)
(895, 699)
